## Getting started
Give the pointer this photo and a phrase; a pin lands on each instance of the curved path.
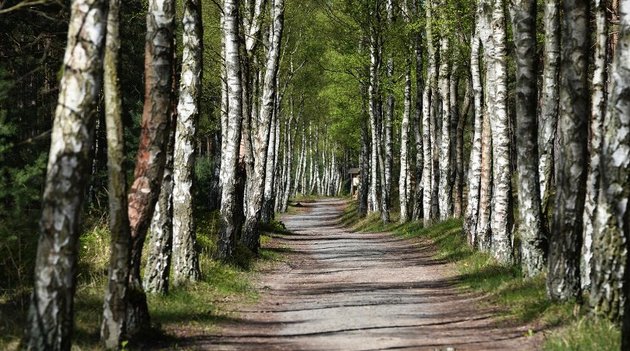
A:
(340, 290)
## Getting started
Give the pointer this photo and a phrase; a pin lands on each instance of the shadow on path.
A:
(340, 290)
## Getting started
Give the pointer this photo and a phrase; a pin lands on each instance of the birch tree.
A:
(427, 106)
(49, 323)
(548, 118)
(151, 158)
(230, 154)
(609, 293)
(404, 182)
(115, 304)
(501, 169)
(563, 278)
(474, 168)
(523, 14)
(598, 110)
(251, 235)
(445, 186)
(185, 257)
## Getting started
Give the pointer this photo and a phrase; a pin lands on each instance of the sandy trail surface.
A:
(339, 290)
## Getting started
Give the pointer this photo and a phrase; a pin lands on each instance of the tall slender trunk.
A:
(427, 132)
(610, 288)
(115, 303)
(475, 162)
(151, 157)
(160, 247)
(50, 316)
(548, 118)
(270, 171)
(417, 124)
(403, 181)
(251, 235)
(461, 118)
(563, 279)
(373, 114)
(388, 117)
(598, 110)
(532, 236)
(502, 174)
(445, 186)
(230, 155)
(185, 257)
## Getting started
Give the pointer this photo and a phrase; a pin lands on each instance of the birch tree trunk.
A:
(474, 168)
(461, 117)
(230, 155)
(427, 106)
(563, 279)
(151, 157)
(403, 181)
(251, 235)
(388, 116)
(417, 124)
(115, 304)
(160, 247)
(502, 175)
(270, 170)
(609, 293)
(185, 257)
(548, 118)
(598, 110)
(373, 114)
(50, 316)
(532, 236)
(445, 186)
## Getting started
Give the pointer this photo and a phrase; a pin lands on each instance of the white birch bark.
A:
(50, 316)
(502, 175)
(598, 110)
(427, 132)
(230, 155)
(403, 182)
(185, 258)
(612, 218)
(445, 185)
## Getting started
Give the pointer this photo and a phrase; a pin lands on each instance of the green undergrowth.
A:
(519, 300)
(191, 309)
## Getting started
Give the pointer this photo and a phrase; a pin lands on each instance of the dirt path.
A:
(360, 291)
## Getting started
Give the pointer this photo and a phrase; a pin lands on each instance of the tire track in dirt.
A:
(340, 290)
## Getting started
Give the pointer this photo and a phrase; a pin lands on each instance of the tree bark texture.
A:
(404, 181)
(230, 155)
(50, 315)
(115, 304)
(185, 257)
(445, 185)
(598, 110)
(251, 235)
(474, 168)
(609, 291)
(563, 278)
(530, 216)
(499, 123)
(548, 118)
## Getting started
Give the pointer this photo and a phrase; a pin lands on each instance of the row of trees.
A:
(418, 94)
(256, 172)
(547, 181)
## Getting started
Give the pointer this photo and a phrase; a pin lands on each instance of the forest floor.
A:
(338, 289)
